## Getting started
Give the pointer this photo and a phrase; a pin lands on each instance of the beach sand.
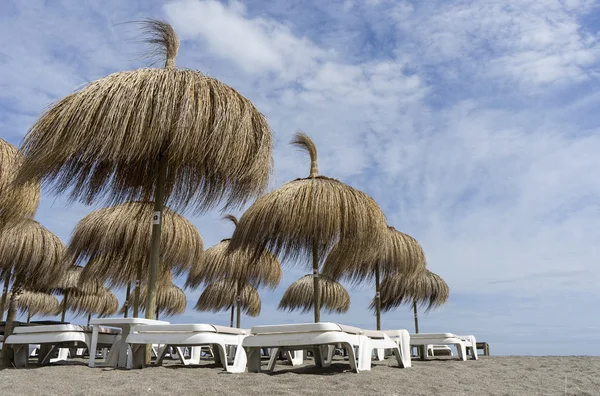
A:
(512, 375)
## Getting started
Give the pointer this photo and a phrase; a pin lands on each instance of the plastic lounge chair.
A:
(321, 338)
(191, 335)
(402, 339)
(460, 342)
(55, 337)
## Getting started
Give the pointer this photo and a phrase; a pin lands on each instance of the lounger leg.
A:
(364, 353)
(240, 360)
(63, 354)
(138, 356)
(217, 354)
(253, 356)
(404, 345)
(380, 354)
(473, 348)
(351, 357)
(93, 347)
(223, 354)
(21, 354)
(162, 352)
(195, 355)
(47, 357)
(272, 359)
(296, 358)
(462, 351)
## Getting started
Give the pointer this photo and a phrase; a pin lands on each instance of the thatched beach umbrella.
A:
(218, 297)
(241, 267)
(170, 299)
(102, 303)
(425, 288)
(35, 256)
(299, 295)
(171, 135)
(37, 303)
(114, 245)
(400, 253)
(306, 217)
(71, 282)
(16, 202)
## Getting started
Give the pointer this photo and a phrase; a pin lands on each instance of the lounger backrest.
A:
(175, 328)
(304, 328)
(432, 335)
(62, 329)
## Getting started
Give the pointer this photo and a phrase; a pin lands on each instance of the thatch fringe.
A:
(34, 254)
(16, 202)
(111, 242)
(103, 303)
(36, 303)
(71, 281)
(219, 264)
(426, 288)
(400, 253)
(299, 295)
(170, 299)
(104, 141)
(314, 210)
(221, 296)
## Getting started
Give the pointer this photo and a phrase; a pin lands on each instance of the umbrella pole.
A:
(4, 293)
(127, 292)
(64, 306)
(157, 311)
(317, 290)
(238, 298)
(232, 313)
(159, 195)
(377, 298)
(89, 318)
(28, 316)
(136, 292)
(11, 316)
(416, 317)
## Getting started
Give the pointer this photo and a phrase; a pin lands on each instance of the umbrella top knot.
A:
(162, 38)
(302, 141)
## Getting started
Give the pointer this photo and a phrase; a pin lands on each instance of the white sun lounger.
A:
(462, 343)
(322, 339)
(193, 335)
(61, 337)
(401, 338)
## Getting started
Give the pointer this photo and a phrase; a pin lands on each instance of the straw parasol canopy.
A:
(400, 253)
(71, 282)
(219, 263)
(306, 217)
(37, 303)
(16, 202)
(171, 135)
(425, 288)
(170, 299)
(334, 297)
(33, 253)
(113, 242)
(218, 297)
(102, 303)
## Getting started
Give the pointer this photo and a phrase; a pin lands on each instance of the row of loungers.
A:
(235, 349)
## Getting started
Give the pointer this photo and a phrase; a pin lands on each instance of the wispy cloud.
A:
(474, 125)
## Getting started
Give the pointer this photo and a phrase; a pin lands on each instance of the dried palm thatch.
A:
(112, 242)
(105, 140)
(33, 253)
(241, 265)
(426, 288)
(170, 299)
(103, 303)
(400, 253)
(306, 217)
(16, 202)
(220, 296)
(299, 295)
(71, 281)
(37, 303)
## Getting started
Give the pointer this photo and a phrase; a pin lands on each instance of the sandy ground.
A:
(516, 375)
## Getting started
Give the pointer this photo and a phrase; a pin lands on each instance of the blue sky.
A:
(474, 124)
